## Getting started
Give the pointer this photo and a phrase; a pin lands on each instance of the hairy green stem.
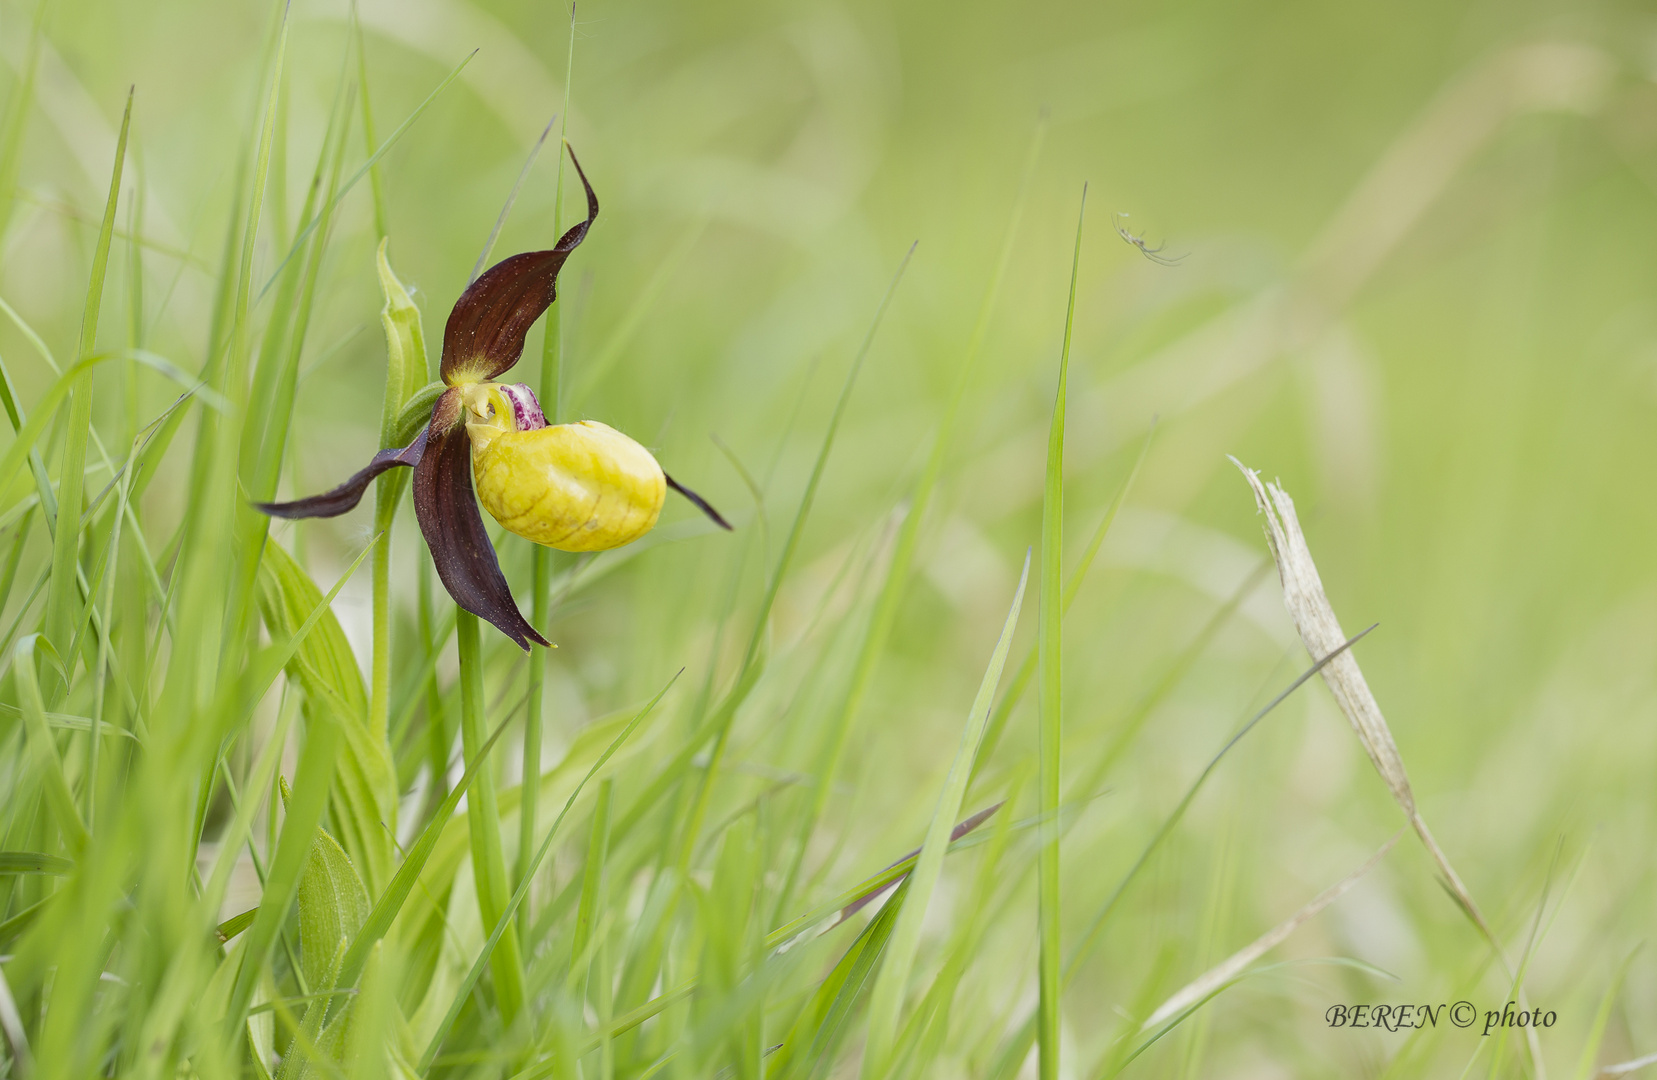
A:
(551, 390)
(483, 818)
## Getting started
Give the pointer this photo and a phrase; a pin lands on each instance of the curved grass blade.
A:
(512, 197)
(824, 1019)
(43, 747)
(403, 881)
(62, 595)
(886, 1001)
(1226, 973)
(345, 188)
(1016, 1047)
(504, 922)
(748, 672)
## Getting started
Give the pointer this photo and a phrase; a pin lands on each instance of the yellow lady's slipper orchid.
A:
(576, 487)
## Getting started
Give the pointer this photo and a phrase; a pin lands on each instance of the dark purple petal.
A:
(698, 502)
(349, 494)
(449, 519)
(485, 334)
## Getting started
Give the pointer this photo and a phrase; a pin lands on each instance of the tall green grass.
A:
(270, 806)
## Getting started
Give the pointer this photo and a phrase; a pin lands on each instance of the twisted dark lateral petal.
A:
(485, 333)
(449, 519)
(349, 494)
(698, 502)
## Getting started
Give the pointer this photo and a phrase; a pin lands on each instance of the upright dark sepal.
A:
(485, 333)
(349, 494)
(448, 515)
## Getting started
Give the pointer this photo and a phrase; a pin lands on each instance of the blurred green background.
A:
(1415, 277)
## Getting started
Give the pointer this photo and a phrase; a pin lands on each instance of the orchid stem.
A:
(483, 819)
(552, 391)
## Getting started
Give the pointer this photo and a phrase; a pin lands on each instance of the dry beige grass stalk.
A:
(1626, 1067)
(1314, 617)
(1320, 630)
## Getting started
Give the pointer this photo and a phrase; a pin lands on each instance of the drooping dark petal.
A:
(698, 502)
(349, 494)
(485, 333)
(449, 519)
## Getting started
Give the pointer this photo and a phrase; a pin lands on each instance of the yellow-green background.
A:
(1414, 280)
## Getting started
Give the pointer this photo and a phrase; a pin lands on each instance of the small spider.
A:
(1152, 253)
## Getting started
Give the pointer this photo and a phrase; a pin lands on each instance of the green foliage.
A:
(363, 804)
(332, 905)
(735, 824)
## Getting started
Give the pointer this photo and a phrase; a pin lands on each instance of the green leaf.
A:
(33, 862)
(317, 766)
(811, 1042)
(364, 801)
(43, 748)
(504, 924)
(390, 903)
(235, 924)
(405, 343)
(332, 907)
(70, 722)
(314, 1049)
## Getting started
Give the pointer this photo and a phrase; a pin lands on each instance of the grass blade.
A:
(43, 748)
(1319, 628)
(310, 795)
(1027, 670)
(503, 923)
(391, 901)
(886, 1001)
(373, 160)
(62, 597)
(822, 1023)
(1050, 651)
(1221, 975)
(885, 613)
(1602, 1016)
(747, 673)
(512, 197)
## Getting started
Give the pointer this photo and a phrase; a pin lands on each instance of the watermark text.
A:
(1461, 1014)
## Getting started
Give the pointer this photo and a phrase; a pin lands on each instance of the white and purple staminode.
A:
(526, 411)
